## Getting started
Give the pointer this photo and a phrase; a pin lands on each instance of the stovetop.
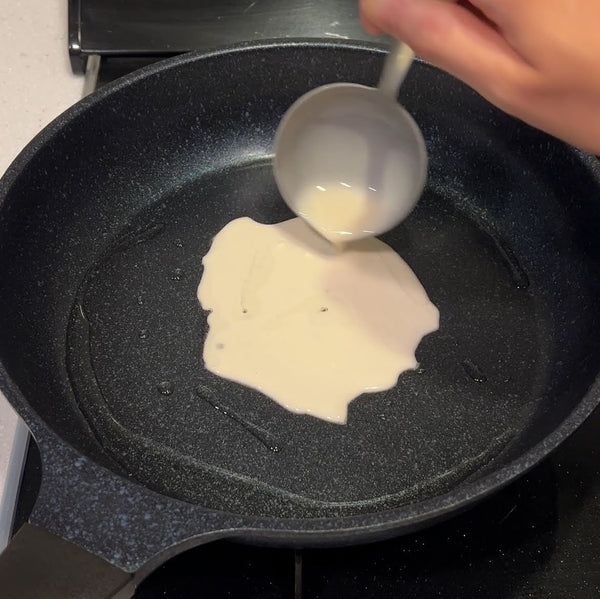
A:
(146, 28)
(537, 538)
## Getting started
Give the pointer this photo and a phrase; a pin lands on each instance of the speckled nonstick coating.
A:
(104, 220)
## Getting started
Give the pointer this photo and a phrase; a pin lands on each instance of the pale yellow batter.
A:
(307, 325)
(339, 212)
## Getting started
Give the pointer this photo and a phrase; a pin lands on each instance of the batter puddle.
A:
(310, 326)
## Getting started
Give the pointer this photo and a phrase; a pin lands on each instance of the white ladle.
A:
(356, 136)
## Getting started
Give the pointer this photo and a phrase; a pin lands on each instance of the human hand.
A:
(538, 60)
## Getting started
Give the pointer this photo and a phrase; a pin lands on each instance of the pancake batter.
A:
(307, 325)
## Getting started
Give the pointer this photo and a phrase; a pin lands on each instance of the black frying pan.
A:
(104, 220)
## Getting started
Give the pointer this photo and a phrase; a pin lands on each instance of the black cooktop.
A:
(537, 538)
(146, 28)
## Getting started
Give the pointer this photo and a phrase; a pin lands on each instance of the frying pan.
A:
(104, 219)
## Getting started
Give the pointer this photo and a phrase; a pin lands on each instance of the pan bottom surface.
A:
(134, 358)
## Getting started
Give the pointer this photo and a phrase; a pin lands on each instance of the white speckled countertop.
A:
(37, 85)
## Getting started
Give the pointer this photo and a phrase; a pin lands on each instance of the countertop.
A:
(37, 85)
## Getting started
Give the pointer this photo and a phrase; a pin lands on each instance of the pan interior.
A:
(102, 236)
(135, 360)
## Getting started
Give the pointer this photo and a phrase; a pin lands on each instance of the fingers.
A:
(451, 37)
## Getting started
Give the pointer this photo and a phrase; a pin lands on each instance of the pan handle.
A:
(77, 543)
(37, 564)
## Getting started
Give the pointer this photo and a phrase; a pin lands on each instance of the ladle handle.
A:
(395, 68)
